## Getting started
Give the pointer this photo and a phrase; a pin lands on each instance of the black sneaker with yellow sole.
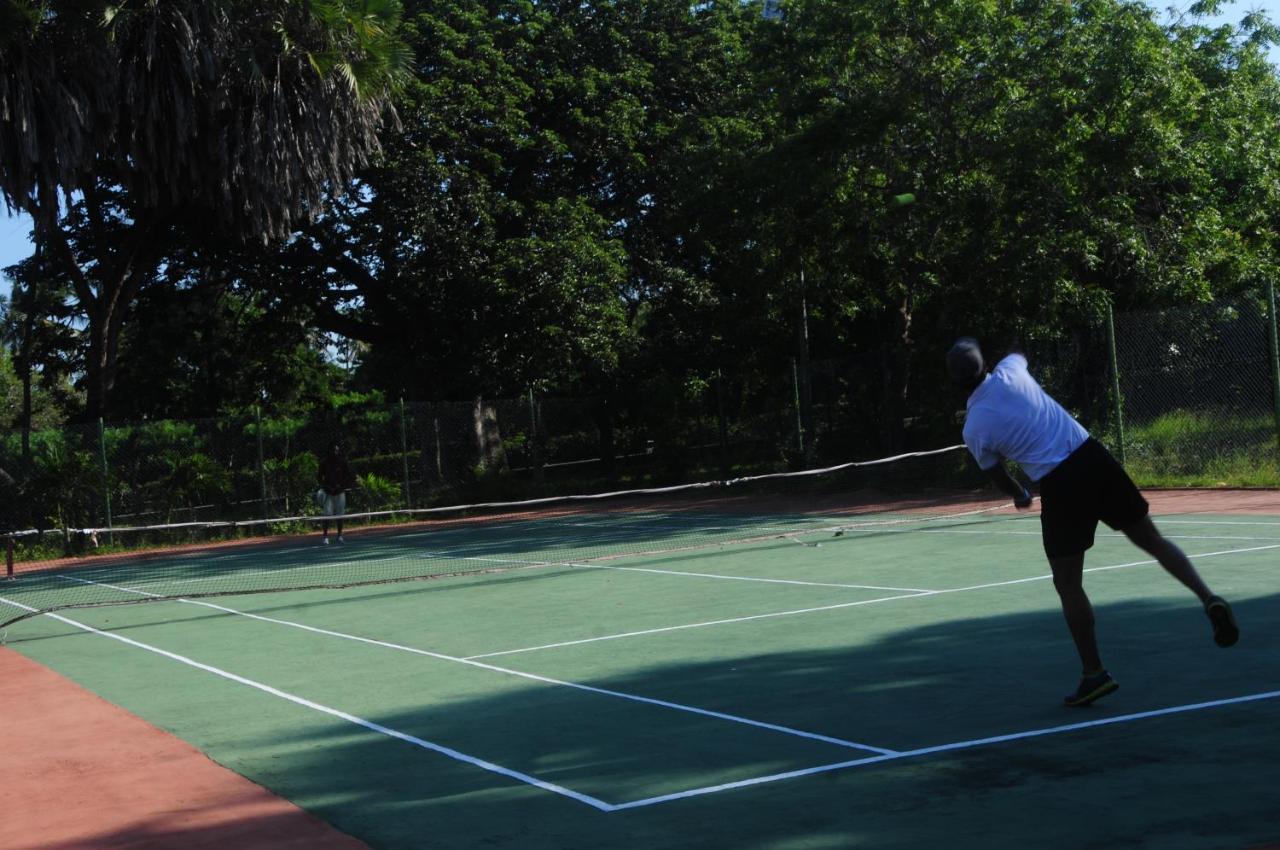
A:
(1225, 630)
(1092, 688)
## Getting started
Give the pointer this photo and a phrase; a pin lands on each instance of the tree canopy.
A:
(631, 198)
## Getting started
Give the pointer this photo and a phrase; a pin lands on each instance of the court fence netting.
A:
(94, 567)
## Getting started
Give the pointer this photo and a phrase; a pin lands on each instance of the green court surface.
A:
(890, 688)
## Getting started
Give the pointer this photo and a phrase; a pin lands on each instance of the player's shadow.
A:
(1202, 777)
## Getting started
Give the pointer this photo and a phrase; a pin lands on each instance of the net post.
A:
(1115, 383)
(404, 454)
(106, 481)
(1275, 353)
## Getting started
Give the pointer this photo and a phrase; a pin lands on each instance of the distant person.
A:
(1010, 417)
(335, 480)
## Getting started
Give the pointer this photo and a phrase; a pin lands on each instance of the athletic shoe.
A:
(1092, 688)
(324, 540)
(1225, 630)
(341, 539)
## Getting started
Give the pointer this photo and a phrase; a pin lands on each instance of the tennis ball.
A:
(904, 199)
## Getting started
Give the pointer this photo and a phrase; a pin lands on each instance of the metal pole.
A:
(404, 454)
(1115, 383)
(535, 445)
(106, 482)
(1275, 353)
(8, 555)
(722, 426)
(795, 383)
(262, 466)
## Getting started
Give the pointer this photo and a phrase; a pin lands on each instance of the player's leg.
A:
(340, 508)
(1147, 537)
(1068, 521)
(327, 508)
(1068, 581)
(1124, 508)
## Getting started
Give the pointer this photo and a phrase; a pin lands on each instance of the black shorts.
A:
(1088, 486)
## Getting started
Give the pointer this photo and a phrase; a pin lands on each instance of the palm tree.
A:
(136, 117)
(249, 111)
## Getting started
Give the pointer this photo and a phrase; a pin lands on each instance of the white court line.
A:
(717, 715)
(341, 715)
(884, 755)
(585, 566)
(840, 605)
(1164, 521)
(1117, 536)
(666, 798)
(941, 748)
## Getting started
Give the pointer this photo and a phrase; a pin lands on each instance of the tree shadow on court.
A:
(1193, 778)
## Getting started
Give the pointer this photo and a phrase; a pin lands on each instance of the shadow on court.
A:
(1204, 778)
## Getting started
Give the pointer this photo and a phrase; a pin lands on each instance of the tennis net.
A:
(76, 568)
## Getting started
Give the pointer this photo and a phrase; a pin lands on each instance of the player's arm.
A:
(1002, 479)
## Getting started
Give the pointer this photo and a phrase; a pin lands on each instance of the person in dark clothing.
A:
(335, 480)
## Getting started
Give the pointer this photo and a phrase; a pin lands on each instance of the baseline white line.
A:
(1164, 521)
(704, 712)
(940, 748)
(983, 533)
(841, 605)
(338, 713)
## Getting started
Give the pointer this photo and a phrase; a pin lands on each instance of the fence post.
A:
(1275, 353)
(262, 466)
(535, 440)
(1115, 383)
(795, 383)
(106, 481)
(722, 426)
(404, 455)
(8, 555)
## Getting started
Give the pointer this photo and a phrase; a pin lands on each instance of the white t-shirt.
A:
(1010, 416)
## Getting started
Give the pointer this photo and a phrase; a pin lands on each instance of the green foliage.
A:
(10, 393)
(664, 205)
(1204, 448)
(377, 493)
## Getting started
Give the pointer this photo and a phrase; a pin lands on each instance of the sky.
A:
(15, 242)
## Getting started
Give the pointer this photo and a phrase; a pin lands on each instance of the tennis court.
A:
(815, 683)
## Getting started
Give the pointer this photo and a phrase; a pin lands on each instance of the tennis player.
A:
(1010, 417)
(335, 479)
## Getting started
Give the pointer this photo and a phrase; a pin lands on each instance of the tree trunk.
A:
(28, 334)
(604, 423)
(488, 436)
(105, 307)
(897, 373)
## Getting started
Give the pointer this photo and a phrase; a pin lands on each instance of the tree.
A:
(39, 328)
(136, 119)
(1064, 155)
(204, 346)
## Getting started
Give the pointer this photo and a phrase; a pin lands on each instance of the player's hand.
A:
(1024, 501)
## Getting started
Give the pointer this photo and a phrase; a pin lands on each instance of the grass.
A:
(1206, 448)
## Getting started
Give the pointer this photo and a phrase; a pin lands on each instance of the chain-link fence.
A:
(1197, 392)
(1186, 396)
